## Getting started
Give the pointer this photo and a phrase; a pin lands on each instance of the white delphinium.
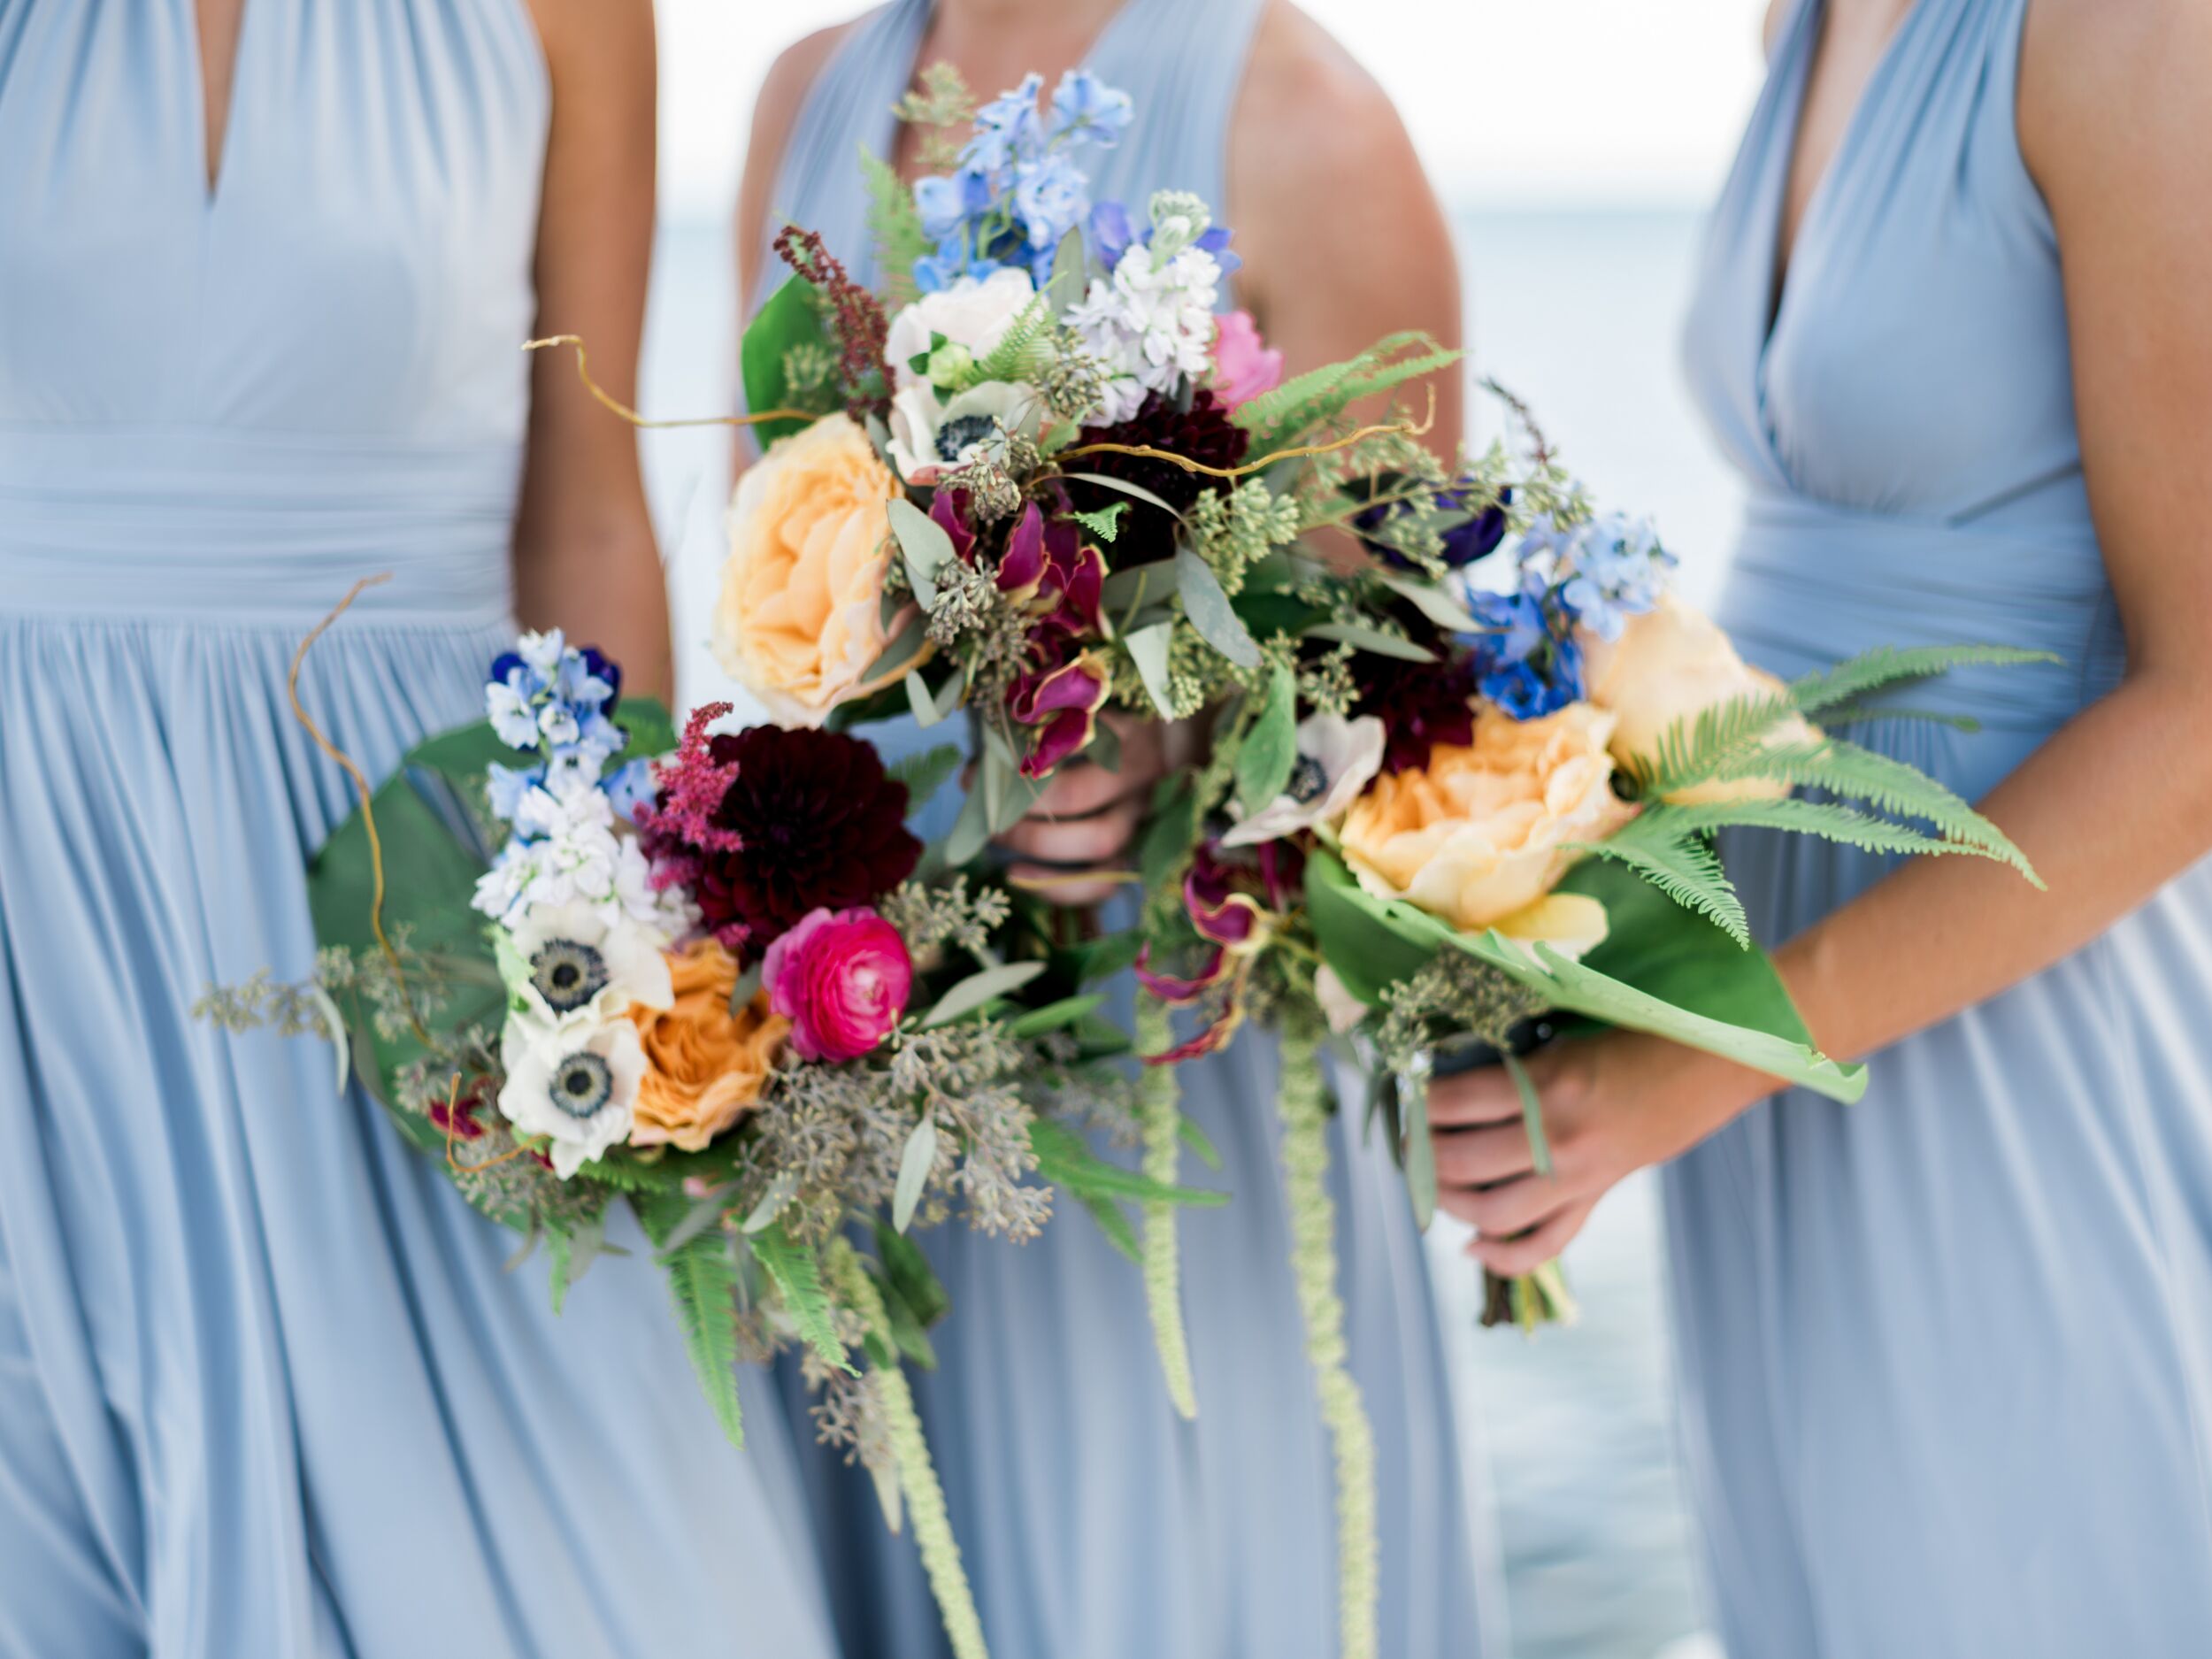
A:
(574, 1081)
(1151, 323)
(566, 850)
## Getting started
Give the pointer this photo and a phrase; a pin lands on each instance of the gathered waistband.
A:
(1812, 583)
(252, 526)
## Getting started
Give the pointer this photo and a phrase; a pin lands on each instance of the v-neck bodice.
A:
(1917, 361)
(1905, 414)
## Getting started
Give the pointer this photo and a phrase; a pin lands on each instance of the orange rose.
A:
(801, 615)
(1479, 835)
(704, 1067)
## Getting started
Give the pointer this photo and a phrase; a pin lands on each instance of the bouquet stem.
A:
(1534, 1299)
(1304, 1104)
(1159, 1119)
(918, 1475)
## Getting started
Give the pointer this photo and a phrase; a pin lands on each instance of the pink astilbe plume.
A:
(677, 828)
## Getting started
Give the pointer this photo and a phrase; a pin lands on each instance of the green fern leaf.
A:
(896, 227)
(1024, 352)
(1696, 749)
(1280, 417)
(1887, 665)
(1676, 859)
(703, 1281)
(797, 1274)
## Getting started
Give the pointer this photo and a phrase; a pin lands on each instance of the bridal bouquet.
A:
(585, 964)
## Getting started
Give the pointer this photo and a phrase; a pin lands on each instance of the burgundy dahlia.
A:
(1203, 432)
(806, 821)
(1420, 705)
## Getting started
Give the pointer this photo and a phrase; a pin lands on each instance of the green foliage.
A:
(1024, 352)
(792, 317)
(797, 1272)
(1105, 523)
(1270, 752)
(1279, 419)
(1674, 857)
(926, 773)
(894, 225)
(703, 1281)
(1064, 1160)
(1886, 665)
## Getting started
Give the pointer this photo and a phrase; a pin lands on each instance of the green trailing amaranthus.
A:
(1303, 1102)
(1159, 1117)
(909, 1454)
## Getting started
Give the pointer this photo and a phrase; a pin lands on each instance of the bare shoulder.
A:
(1311, 108)
(789, 77)
(2113, 89)
(1771, 29)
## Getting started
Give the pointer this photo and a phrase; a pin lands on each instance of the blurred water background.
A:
(1578, 313)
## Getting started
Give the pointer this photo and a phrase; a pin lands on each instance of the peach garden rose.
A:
(705, 1066)
(800, 618)
(1481, 834)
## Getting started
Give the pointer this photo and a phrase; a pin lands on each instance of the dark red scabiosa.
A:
(1420, 705)
(1203, 432)
(762, 825)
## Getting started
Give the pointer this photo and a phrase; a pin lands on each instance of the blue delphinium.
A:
(1112, 235)
(1607, 570)
(556, 704)
(1526, 660)
(1017, 192)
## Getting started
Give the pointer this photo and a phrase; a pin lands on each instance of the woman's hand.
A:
(1612, 1104)
(1087, 816)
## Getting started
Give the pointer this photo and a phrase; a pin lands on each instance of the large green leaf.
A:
(1662, 970)
(789, 318)
(437, 837)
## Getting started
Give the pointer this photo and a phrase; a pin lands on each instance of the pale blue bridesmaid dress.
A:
(1096, 1524)
(1947, 1353)
(265, 1390)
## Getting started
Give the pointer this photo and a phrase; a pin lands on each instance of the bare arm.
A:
(2112, 807)
(584, 555)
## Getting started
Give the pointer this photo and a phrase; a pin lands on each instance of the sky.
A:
(1579, 104)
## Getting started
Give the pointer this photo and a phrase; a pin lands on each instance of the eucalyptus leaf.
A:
(1148, 650)
(1432, 601)
(980, 988)
(1420, 1150)
(1210, 612)
(923, 544)
(1071, 273)
(1270, 753)
(915, 1164)
(926, 773)
(1054, 1016)
(919, 700)
(902, 654)
(1136, 491)
(772, 1202)
(1126, 591)
(1372, 639)
(705, 1213)
(971, 831)
(1531, 1112)
(335, 1027)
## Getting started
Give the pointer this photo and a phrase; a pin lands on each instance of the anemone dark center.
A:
(583, 1083)
(567, 974)
(956, 436)
(1309, 780)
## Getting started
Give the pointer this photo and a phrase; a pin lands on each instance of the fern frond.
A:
(1835, 821)
(1280, 417)
(896, 227)
(1852, 773)
(797, 1272)
(1024, 352)
(1870, 713)
(1887, 665)
(1694, 749)
(1677, 859)
(703, 1279)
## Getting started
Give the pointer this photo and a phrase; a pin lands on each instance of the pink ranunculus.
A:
(1243, 365)
(842, 978)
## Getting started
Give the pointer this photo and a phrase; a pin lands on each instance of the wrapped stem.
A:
(1532, 1299)
(1159, 1111)
(918, 1475)
(1304, 1104)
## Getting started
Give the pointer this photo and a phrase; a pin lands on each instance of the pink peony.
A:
(842, 978)
(1243, 365)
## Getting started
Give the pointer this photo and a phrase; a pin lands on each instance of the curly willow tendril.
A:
(1303, 1105)
(361, 785)
(1402, 429)
(1158, 1119)
(607, 400)
(909, 1452)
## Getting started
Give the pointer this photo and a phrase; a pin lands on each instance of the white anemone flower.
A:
(583, 961)
(574, 1081)
(929, 437)
(1337, 758)
(971, 312)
